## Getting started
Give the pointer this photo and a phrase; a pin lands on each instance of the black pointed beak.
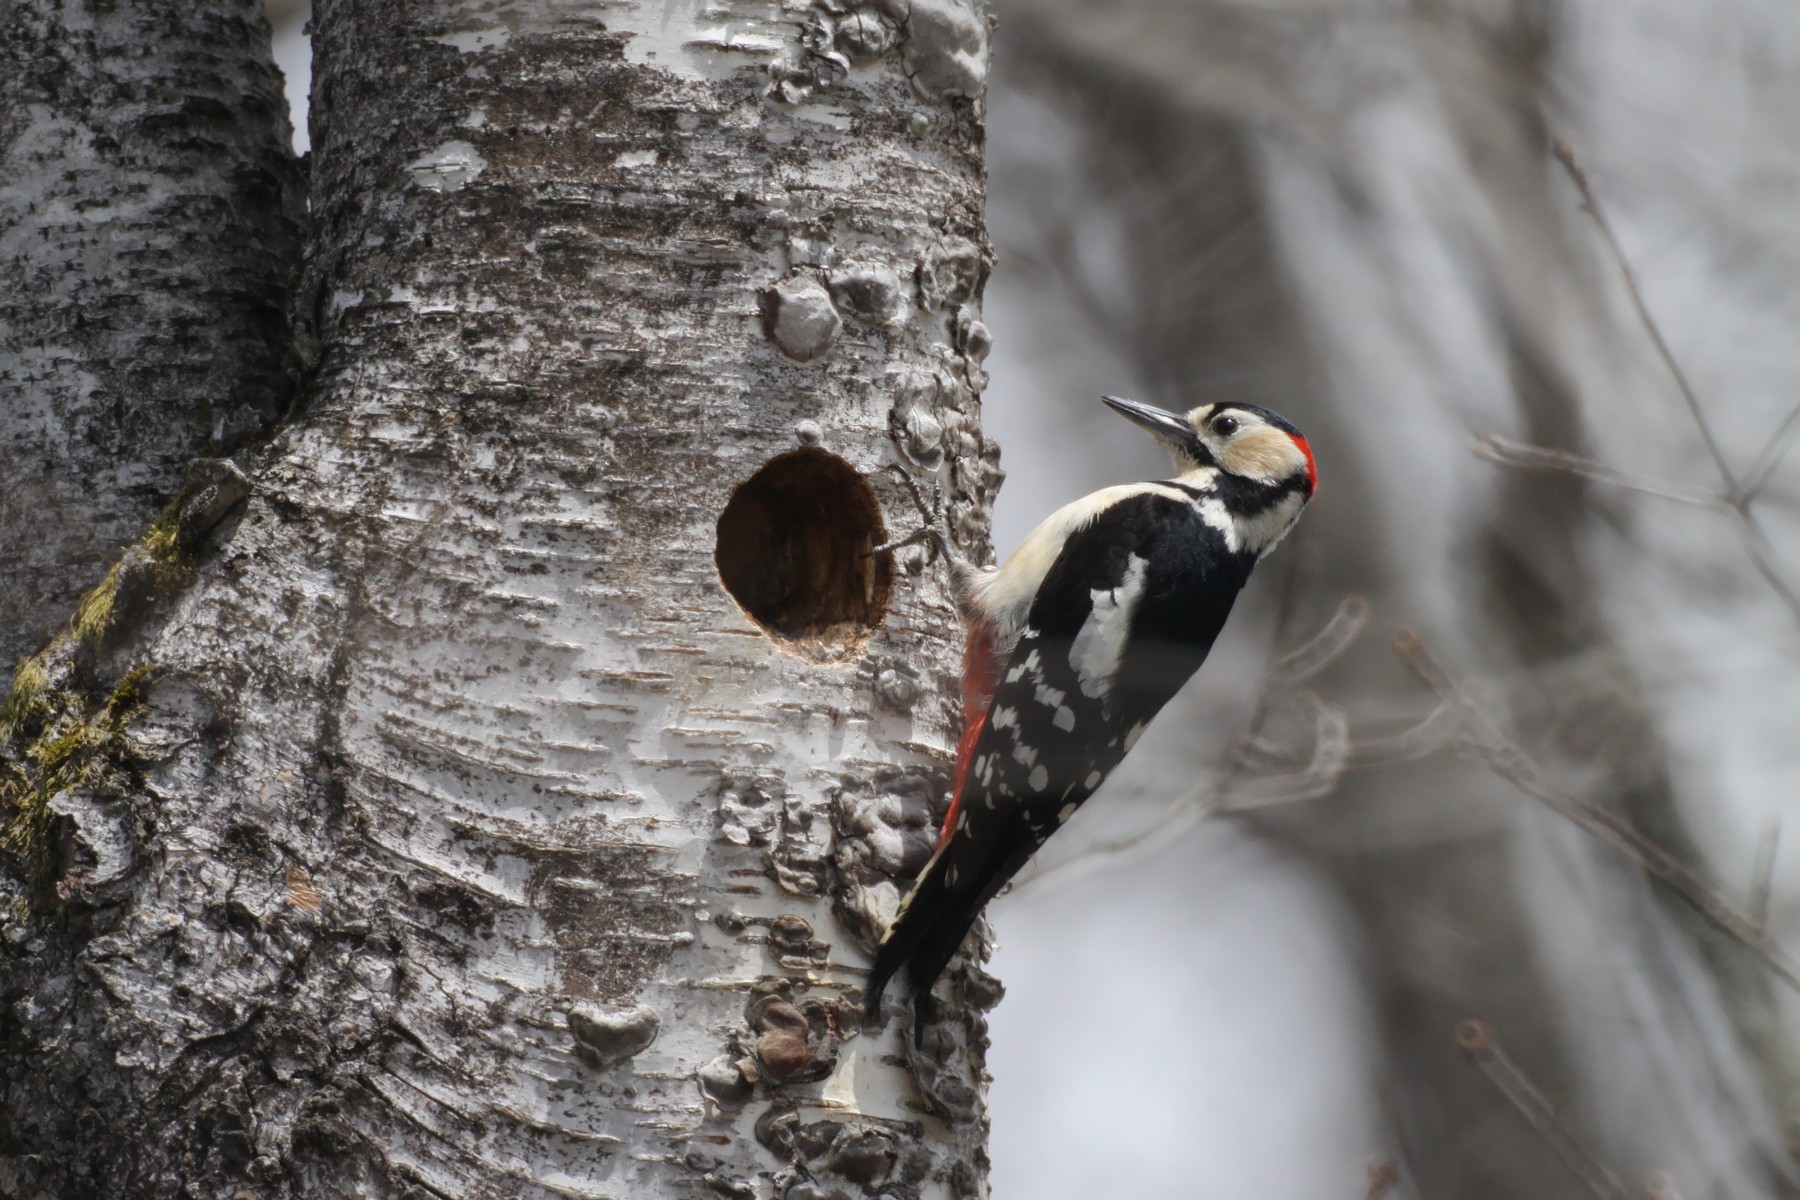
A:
(1172, 427)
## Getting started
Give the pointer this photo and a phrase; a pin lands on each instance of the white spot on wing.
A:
(1101, 642)
(1040, 778)
(1068, 810)
(1132, 735)
(1093, 780)
(1064, 719)
(1005, 595)
(1025, 756)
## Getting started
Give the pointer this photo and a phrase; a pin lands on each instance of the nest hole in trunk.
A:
(793, 551)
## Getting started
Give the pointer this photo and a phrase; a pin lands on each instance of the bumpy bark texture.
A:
(432, 820)
(150, 225)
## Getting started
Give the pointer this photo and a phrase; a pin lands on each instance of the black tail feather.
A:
(926, 934)
(907, 933)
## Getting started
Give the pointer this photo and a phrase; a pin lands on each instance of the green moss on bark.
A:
(94, 612)
(26, 708)
(50, 752)
(61, 725)
(156, 567)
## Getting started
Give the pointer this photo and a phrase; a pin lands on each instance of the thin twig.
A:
(1736, 497)
(1762, 875)
(1766, 462)
(1420, 740)
(1331, 749)
(1326, 646)
(1590, 203)
(1477, 1040)
(1508, 760)
(1522, 455)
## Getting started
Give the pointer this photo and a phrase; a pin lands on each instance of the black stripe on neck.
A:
(1248, 498)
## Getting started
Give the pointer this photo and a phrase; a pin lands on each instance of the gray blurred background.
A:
(1245, 969)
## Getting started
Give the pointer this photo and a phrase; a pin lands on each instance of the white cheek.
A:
(1260, 452)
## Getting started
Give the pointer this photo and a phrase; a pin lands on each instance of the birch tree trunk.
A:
(150, 226)
(490, 787)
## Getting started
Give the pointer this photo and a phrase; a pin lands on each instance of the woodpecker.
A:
(1076, 642)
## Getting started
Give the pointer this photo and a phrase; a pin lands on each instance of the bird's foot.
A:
(935, 526)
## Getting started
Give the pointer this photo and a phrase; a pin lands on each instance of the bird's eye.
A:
(1225, 426)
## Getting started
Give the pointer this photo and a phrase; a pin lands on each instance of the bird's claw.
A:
(935, 528)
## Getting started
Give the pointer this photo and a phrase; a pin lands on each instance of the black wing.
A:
(1124, 617)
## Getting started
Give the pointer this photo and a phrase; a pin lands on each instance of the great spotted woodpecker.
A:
(1076, 642)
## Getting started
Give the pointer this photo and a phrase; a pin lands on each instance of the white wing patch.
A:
(1029, 666)
(1101, 641)
(1212, 510)
(1004, 596)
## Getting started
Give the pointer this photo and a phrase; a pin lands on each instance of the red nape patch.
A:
(980, 670)
(1312, 468)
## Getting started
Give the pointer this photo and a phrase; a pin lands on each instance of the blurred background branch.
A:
(1355, 214)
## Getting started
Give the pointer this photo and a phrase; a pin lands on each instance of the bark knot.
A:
(607, 1037)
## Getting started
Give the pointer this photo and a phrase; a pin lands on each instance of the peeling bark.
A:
(459, 834)
(150, 225)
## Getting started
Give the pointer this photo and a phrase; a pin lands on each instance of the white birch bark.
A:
(150, 223)
(441, 825)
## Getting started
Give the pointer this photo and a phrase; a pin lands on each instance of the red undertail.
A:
(981, 669)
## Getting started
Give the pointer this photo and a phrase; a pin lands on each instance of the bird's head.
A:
(1240, 440)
